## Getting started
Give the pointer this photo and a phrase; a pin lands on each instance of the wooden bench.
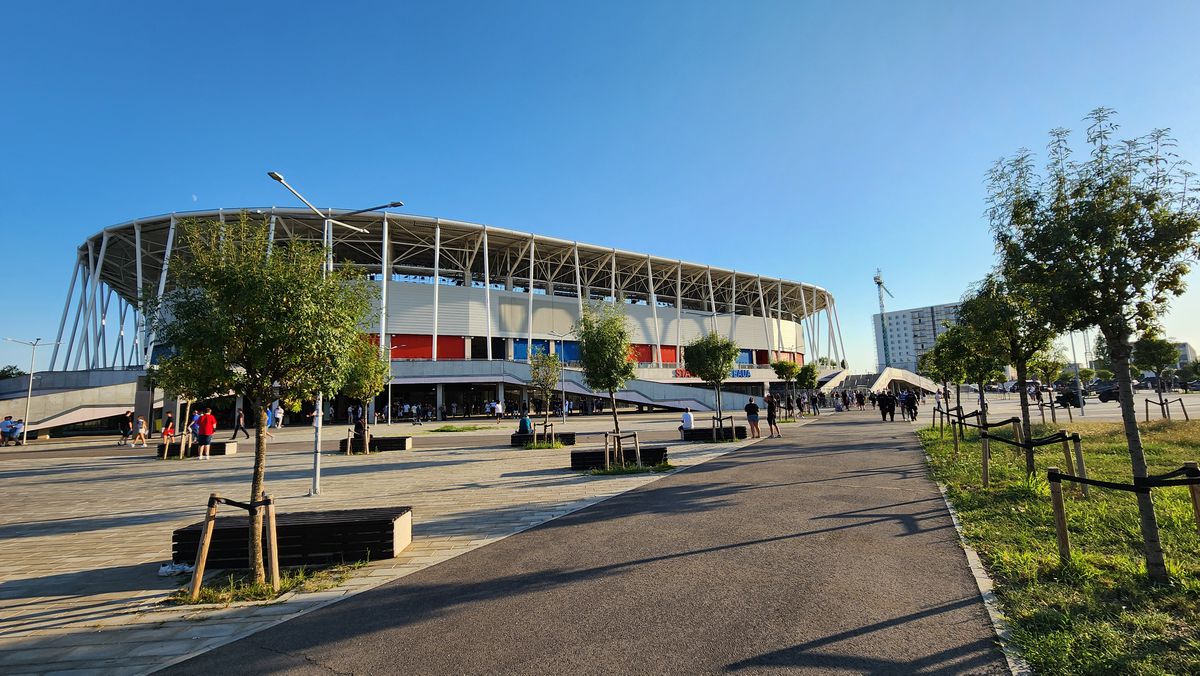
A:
(305, 538)
(583, 460)
(564, 438)
(706, 433)
(215, 448)
(378, 444)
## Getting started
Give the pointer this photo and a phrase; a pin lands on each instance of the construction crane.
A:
(887, 352)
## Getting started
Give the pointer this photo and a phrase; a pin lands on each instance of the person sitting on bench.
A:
(360, 428)
(688, 422)
(525, 426)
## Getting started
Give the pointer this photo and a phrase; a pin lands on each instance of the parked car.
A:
(1108, 394)
(1068, 398)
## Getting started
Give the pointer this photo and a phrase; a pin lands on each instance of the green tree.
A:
(1101, 359)
(545, 370)
(982, 358)
(1048, 365)
(1109, 240)
(786, 371)
(258, 321)
(367, 373)
(1104, 374)
(1087, 375)
(10, 371)
(1008, 313)
(710, 358)
(604, 351)
(806, 379)
(1156, 354)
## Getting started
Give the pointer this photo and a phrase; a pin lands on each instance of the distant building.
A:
(911, 333)
(1187, 354)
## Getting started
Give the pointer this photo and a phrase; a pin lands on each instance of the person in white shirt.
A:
(687, 421)
(499, 409)
(937, 399)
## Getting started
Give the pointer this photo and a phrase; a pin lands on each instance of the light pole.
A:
(33, 346)
(562, 370)
(327, 234)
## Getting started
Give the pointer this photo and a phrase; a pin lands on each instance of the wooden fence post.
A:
(272, 543)
(954, 434)
(942, 425)
(1066, 444)
(987, 453)
(637, 449)
(1194, 489)
(1079, 466)
(210, 520)
(1060, 515)
(1070, 417)
(1181, 407)
(1147, 410)
(1016, 425)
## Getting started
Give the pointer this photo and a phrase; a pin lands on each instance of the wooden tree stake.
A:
(1079, 466)
(987, 453)
(1067, 453)
(210, 520)
(1060, 516)
(272, 543)
(1194, 489)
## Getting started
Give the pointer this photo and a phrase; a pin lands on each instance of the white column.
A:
(162, 283)
(437, 271)
(762, 304)
(779, 316)
(487, 291)
(833, 349)
(62, 322)
(654, 313)
(79, 313)
(578, 280)
(838, 324)
(271, 233)
(85, 337)
(612, 280)
(678, 313)
(804, 328)
(529, 290)
(101, 356)
(119, 343)
(712, 301)
(96, 305)
(385, 274)
(139, 328)
(732, 304)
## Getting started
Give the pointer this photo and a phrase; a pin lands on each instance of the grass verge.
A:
(461, 428)
(532, 446)
(238, 586)
(1097, 614)
(632, 469)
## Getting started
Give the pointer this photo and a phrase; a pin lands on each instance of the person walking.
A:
(772, 413)
(499, 410)
(883, 405)
(239, 424)
(126, 428)
(751, 409)
(139, 431)
(278, 416)
(206, 427)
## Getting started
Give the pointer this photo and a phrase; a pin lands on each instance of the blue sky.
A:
(812, 141)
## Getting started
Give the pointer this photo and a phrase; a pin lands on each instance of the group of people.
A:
(752, 417)
(11, 431)
(887, 402)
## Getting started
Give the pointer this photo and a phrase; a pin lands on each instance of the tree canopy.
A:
(710, 358)
(545, 371)
(604, 351)
(247, 318)
(10, 371)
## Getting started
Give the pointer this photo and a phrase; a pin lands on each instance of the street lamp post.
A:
(327, 236)
(33, 346)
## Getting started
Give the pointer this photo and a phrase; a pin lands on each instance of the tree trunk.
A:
(256, 490)
(612, 401)
(1119, 350)
(1022, 374)
(546, 418)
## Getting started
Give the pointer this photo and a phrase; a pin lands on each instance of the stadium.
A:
(460, 307)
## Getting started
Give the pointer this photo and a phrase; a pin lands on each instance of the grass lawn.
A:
(237, 586)
(632, 469)
(1098, 614)
(461, 428)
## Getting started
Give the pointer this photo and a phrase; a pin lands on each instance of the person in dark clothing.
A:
(892, 401)
(883, 405)
(772, 412)
(239, 424)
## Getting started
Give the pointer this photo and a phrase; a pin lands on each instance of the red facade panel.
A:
(642, 353)
(669, 354)
(413, 346)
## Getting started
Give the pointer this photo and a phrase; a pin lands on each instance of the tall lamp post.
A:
(327, 233)
(562, 370)
(33, 346)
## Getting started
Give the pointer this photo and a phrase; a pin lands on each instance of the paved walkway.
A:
(826, 551)
(81, 538)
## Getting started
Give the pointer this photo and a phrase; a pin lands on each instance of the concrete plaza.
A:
(83, 536)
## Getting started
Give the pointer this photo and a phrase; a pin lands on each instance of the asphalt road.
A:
(828, 552)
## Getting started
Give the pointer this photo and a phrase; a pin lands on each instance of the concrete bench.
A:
(378, 444)
(706, 433)
(215, 448)
(305, 538)
(583, 460)
(564, 438)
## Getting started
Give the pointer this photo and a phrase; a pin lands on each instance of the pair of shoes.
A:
(169, 569)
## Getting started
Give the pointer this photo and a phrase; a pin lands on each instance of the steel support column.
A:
(487, 291)
(162, 285)
(654, 313)
(529, 290)
(437, 272)
(62, 322)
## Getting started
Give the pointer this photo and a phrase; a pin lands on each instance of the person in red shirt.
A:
(208, 426)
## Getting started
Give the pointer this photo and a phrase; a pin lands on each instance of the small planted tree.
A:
(806, 379)
(545, 370)
(604, 351)
(1109, 239)
(1047, 365)
(263, 322)
(710, 358)
(1156, 354)
(786, 371)
(367, 373)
